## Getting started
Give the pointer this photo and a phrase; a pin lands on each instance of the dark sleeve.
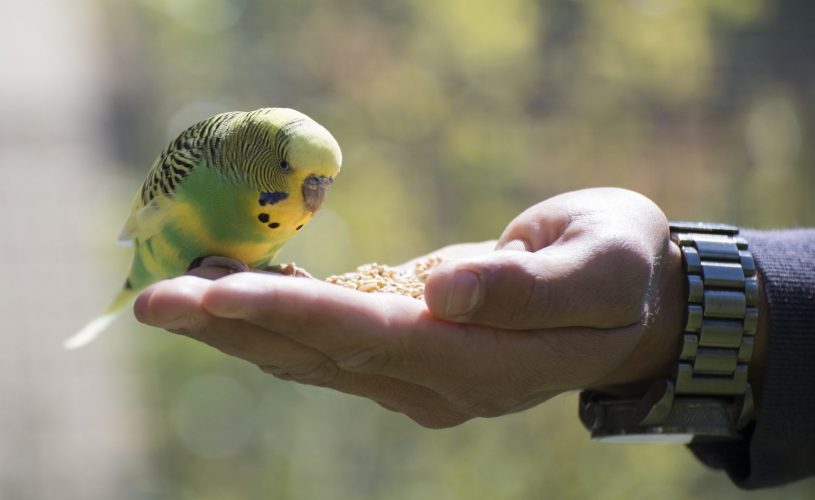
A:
(780, 447)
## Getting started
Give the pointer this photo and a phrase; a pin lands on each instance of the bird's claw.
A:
(237, 266)
(290, 269)
(233, 265)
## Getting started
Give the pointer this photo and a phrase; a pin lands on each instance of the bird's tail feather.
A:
(96, 326)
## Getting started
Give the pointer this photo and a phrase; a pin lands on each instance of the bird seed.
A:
(381, 278)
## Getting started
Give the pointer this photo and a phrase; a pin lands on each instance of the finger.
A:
(349, 326)
(289, 360)
(176, 304)
(380, 334)
(596, 211)
(557, 264)
(172, 303)
(537, 227)
(361, 332)
(592, 282)
(559, 359)
(261, 317)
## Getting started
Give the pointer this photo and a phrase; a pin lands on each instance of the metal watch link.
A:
(709, 397)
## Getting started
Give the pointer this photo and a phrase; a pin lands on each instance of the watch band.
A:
(710, 396)
(722, 313)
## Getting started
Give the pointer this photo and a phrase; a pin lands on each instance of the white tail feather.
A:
(89, 331)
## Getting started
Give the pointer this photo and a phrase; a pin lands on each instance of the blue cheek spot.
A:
(272, 198)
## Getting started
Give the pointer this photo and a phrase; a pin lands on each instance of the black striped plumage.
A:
(196, 145)
(258, 153)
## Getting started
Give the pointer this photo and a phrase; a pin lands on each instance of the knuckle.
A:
(518, 295)
(368, 359)
(631, 282)
(536, 297)
(632, 253)
(324, 373)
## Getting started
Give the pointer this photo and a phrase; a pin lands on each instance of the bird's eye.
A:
(284, 165)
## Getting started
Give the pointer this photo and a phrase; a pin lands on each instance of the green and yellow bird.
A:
(237, 185)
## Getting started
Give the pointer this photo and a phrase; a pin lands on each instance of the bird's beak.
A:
(314, 188)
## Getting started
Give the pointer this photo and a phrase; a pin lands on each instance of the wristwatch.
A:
(709, 397)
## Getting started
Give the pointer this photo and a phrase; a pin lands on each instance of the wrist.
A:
(657, 354)
(709, 397)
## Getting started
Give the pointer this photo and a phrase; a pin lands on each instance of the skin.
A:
(583, 290)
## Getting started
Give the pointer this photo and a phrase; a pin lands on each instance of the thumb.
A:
(558, 286)
(499, 288)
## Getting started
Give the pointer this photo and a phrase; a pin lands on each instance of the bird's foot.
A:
(232, 265)
(290, 269)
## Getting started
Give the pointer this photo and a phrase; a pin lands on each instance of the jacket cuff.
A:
(779, 447)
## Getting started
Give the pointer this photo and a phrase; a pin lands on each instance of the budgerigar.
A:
(236, 185)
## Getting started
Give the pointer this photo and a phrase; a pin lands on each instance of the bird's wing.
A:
(143, 222)
(190, 150)
(128, 232)
(154, 199)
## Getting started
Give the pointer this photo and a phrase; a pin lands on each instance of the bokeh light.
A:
(214, 416)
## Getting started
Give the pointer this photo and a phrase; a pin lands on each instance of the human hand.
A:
(581, 291)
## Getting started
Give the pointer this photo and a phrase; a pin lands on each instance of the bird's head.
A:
(281, 152)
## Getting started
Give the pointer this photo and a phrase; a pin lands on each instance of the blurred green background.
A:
(453, 117)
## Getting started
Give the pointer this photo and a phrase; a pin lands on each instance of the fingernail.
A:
(464, 294)
(519, 245)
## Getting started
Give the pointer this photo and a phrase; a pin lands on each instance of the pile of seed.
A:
(386, 279)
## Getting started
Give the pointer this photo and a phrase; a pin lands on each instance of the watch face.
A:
(645, 437)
